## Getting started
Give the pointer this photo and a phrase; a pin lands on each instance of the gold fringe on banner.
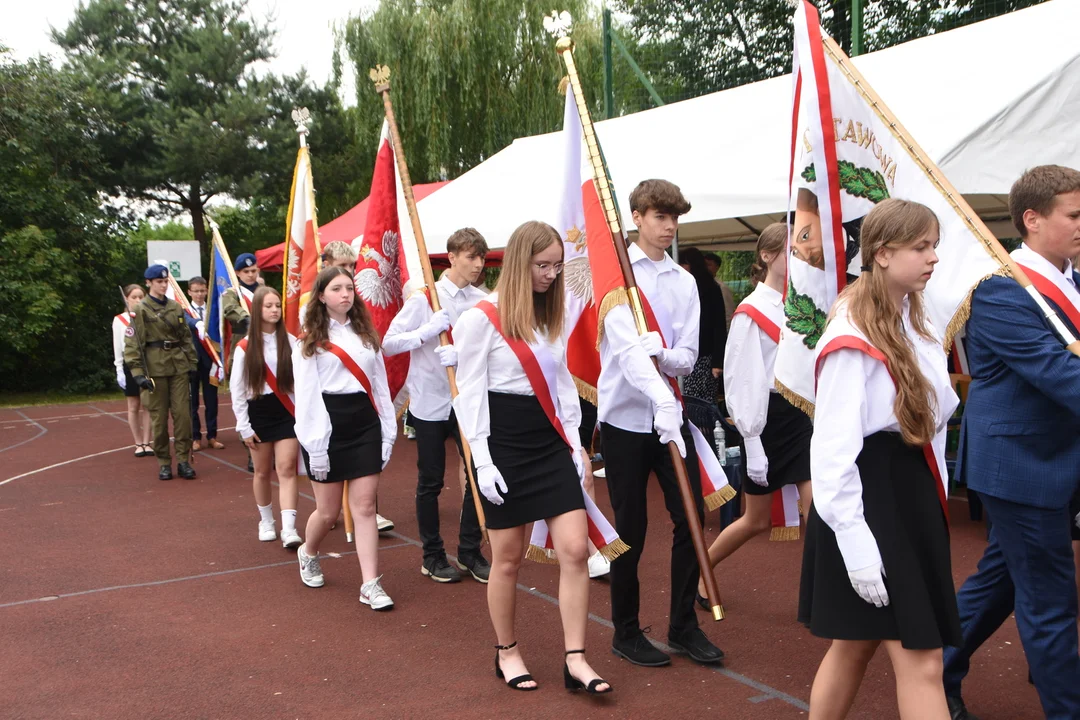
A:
(541, 555)
(585, 391)
(795, 399)
(784, 534)
(963, 313)
(719, 498)
(618, 296)
(614, 549)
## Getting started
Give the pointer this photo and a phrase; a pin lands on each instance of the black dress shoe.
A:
(703, 603)
(695, 644)
(957, 709)
(185, 471)
(639, 651)
(165, 473)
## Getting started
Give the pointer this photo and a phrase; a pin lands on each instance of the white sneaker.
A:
(372, 593)
(290, 538)
(267, 531)
(598, 565)
(310, 569)
(410, 432)
(383, 524)
(601, 473)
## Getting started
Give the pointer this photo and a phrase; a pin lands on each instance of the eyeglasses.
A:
(545, 268)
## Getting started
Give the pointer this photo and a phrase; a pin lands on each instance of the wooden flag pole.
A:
(186, 304)
(952, 196)
(565, 47)
(380, 75)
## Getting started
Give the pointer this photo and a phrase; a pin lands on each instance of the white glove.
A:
(870, 584)
(491, 481)
(757, 465)
(439, 323)
(200, 327)
(121, 380)
(668, 424)
(447, 355)
(319, 465)
(651, 343)
(387, 451)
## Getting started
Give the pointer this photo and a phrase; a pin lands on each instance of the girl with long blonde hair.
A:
(876, 564)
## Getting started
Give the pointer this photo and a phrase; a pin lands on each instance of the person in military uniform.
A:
(236, 306)
(160, 353)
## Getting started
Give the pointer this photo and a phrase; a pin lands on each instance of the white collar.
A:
(450, 286)
(636, 255)
(1026, 254)
(770, 294)
(334, 323)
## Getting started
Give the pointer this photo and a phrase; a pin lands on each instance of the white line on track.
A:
(41, 431)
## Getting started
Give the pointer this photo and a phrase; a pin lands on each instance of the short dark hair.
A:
(467, 239)
(1037, 189)
(713, 257)
(197, 280)
(660, 195)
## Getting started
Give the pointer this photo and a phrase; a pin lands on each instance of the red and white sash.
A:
(125, 318)
(272, 382)
(1050, 282)
(352, 366)
(540, 369)
(760, 319)
(715, 488)
(247, 296)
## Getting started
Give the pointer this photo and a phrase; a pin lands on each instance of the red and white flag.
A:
(302, 249)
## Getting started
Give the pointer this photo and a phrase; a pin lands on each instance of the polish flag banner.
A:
(302, 249)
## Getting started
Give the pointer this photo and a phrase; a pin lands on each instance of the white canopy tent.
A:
(984, 101)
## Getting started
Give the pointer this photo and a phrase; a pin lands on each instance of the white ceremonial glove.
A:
(491, 482)
(387, 451)
(668, 424)
(757, 465)
(121, 380)
(319, 465)
(200, 326)
(439, 323)
(870, 584)
(447, 355)
(651, 343)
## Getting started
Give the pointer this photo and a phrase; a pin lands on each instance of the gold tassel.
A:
(784, 534)
(585, 391)
(541, 555)
(795, 399)
(614, 549)
(719, 498)
(963, 313)
(616, 297)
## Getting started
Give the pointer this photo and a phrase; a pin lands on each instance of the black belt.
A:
(166, 344)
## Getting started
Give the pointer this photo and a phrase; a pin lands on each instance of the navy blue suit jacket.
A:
(205, 361)
(1020, 437)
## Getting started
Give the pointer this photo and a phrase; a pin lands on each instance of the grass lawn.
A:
(30, 399)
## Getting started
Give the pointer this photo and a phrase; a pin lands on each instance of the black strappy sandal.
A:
(573, 684)
(512, 683)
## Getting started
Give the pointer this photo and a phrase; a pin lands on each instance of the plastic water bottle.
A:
(719, 439)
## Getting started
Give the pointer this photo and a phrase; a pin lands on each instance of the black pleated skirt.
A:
(786, 441)
(541, 479)
(355, 441)
(901, 506)
(269, 419)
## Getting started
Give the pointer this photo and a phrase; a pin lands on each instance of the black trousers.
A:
(630, 458)
(431, 463)
(202, 378)
(588, 424)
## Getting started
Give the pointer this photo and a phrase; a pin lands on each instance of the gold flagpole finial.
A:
(380, 75)
(302, 117)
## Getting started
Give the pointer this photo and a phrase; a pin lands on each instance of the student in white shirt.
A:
(639, 416)
(416, 330)
(876, 564)
(261, 384)
(776, 434)
(527, 469)
(138, 416)
(345, 423)
(197, 288)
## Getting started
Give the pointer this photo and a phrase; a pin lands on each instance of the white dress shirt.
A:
(322, 373)
(427, 383)
(629, 387)
(491, 366)
(238, 388)
(118, 330)
(855, 397)
(750, 361)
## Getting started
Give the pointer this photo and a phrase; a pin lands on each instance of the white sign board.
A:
(180, 256)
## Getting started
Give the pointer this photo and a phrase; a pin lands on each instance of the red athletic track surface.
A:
(125, 597)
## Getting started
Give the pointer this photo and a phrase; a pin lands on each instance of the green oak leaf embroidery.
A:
(859, 182)
(804, 317)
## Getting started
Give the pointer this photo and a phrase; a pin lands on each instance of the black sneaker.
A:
(185, 471)
(695, 644)
(639, 651)
(439, 570)
(477, 566)
(165, 473)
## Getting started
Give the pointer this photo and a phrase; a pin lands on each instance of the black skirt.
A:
(269, 419)
(700, 383)
(130, 388)
(901, 506)
(355, 440)
(541, 479)
(786, 441)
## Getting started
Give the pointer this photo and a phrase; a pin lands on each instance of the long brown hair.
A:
(772, 240)
(254, 363)
(522, 311)
(895, 223)
(317, 319)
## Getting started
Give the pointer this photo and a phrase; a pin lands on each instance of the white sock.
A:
(288, 519)
(266, 512)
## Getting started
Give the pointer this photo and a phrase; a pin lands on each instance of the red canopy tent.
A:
(350, 226)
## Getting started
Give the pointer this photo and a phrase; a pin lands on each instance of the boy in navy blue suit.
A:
(201, 378)
(1020, 448)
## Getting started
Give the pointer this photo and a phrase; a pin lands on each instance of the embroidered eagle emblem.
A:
(381, 285)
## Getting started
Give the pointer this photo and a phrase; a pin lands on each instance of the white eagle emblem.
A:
(382, 286)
